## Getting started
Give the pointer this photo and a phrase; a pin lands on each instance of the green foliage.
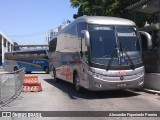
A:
(101, 7)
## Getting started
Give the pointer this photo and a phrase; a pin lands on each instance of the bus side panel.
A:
(52, 60)
(66, 63)
(31, 60)
(84, 78)
(10, 64)
(67, 54)
(33, 65)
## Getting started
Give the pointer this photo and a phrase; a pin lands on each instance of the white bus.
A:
(98, 53)
(31, 60)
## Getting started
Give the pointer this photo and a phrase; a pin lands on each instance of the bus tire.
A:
(46, 69)
(77, 83)
(55, 76)
(28, 72)
(15, 68)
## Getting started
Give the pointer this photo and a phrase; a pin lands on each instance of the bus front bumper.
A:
(114, 83)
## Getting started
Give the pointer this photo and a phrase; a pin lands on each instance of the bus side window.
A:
(84, 52)
(52, 45)
(14, 56)
(144, 43)
(81, 26)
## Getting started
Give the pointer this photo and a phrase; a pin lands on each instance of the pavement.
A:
(62, 97)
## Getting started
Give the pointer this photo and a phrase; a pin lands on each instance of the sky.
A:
(28, 21)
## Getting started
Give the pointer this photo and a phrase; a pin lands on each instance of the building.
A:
(6, 45)
(151, 8)
(151, 56)
(51, 33)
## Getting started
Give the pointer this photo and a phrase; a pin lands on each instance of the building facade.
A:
(51, 33)
(6, 45)
(143, 10)
(152, 25)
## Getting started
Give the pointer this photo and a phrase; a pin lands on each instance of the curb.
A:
(156, 92)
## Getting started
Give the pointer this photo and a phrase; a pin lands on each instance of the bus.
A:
(98, 53)
(151, 57)
(31, 60)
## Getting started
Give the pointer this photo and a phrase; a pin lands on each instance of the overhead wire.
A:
(28, 35)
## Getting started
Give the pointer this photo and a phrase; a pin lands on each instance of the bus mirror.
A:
(148, 38)
(86, 36)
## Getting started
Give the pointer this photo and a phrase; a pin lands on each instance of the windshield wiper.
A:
(131, 62)
(119, 57)
(110, 61)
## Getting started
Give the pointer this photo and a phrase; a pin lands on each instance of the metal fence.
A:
(10, 86)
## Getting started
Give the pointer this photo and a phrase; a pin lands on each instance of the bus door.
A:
(84, 66)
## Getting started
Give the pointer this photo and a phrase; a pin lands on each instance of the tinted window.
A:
(26, 55)
(71, 30)
(128, 38)
(102, 40)
(52, 45)
(81, 26)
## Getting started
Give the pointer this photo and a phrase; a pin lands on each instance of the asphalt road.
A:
(62, 97)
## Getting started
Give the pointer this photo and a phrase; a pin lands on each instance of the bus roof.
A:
(106, 20)
(101, 20)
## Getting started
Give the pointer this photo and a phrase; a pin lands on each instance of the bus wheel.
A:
(77, 83)
(15, 68)
(28, 72)
(54, 75)
(46, 69)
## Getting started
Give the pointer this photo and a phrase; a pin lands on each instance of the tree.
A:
(101, 7)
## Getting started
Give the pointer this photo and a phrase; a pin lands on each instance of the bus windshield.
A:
(106, 39)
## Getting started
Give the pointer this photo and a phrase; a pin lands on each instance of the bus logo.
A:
(121, 72)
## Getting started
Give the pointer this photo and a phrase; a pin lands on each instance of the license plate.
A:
(121, 85)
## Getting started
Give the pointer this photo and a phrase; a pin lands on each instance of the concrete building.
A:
(6, 45)
(151, 8)
(51, 33)
(151, 56)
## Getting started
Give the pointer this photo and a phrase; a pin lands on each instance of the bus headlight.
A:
(95, 75)
(140, 74)
(98, 85)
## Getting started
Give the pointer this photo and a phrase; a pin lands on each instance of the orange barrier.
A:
(31, 79)
(26, 88)
(31, 84)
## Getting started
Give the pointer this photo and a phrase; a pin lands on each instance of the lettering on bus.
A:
(66, 71)
(121, 72)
